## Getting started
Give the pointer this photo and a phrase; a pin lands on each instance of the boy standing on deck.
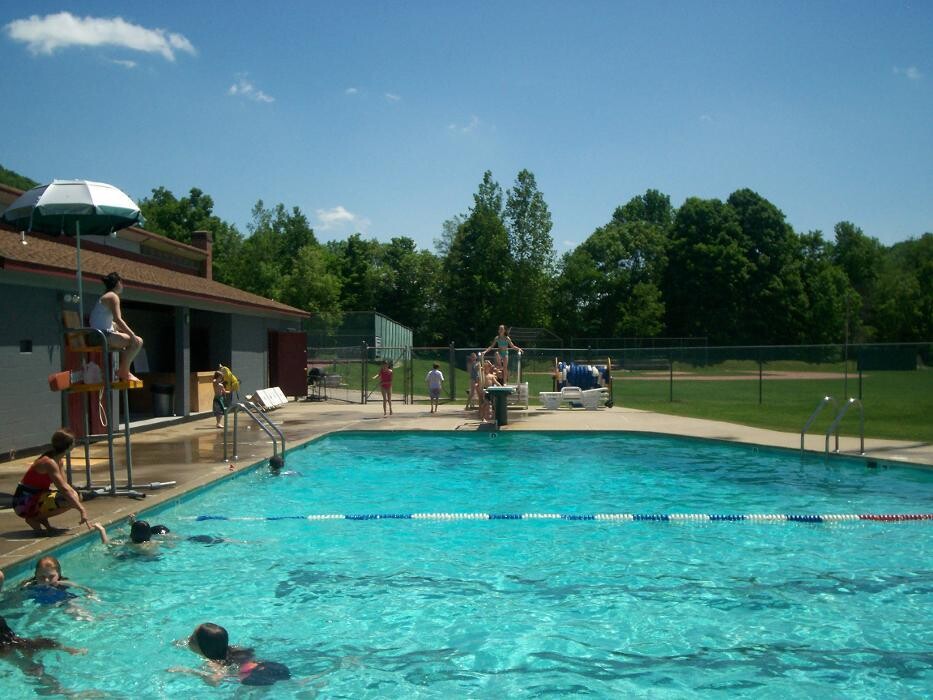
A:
(220, 394)
(435, 380)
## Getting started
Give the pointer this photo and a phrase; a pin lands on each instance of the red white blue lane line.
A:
(614, 517)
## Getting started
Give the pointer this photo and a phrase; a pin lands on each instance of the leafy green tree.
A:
(476, 270)
(642, 314)
(577, 291)
(408, 289)
(774, 302)
(653, 207)
(707, 273)
(610, 284)
(488, 195)
(227, 253)
(178, 218)
(312, 285)
(357, 261)
(827, 288)
(532, 252)
(268, 255)
(448, 231)
(859, 257)
(903, 292)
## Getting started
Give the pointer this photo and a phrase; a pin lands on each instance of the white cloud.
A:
(911, 72)
(569, 244)
(392, 97)
(244, 88)
(46, 35)
(467, 128)
(351, 91)
(339, 216)
(125, 64)
(706, 118)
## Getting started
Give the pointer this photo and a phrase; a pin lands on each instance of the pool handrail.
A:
(861, 425)
(825, 400)
(264, 422)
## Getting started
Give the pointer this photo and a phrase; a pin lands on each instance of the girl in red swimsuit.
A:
(385, 384)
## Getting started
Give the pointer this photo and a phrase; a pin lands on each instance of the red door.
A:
(288, 362)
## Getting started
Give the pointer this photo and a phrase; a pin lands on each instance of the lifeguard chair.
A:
(81, 344)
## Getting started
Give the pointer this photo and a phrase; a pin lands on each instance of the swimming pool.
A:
(441, 607)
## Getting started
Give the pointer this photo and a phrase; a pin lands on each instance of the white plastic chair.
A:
(572, 394)
(593, 398)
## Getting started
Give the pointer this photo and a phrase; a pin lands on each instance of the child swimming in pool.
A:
(212, 642)
(20, 651)
(140, 542)
(48, 586)
(277, 467)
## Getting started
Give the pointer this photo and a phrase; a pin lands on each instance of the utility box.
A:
(163, 398)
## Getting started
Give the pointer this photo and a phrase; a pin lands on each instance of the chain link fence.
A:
(728, 383)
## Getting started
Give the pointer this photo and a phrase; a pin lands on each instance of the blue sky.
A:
(381, 117)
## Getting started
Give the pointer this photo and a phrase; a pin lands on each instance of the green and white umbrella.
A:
(73, 208)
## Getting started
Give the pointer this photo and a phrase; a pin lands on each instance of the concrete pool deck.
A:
(190, 453)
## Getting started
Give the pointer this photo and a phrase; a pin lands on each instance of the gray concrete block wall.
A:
(250, 354)
(29, 411)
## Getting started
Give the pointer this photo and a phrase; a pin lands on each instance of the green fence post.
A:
(452, 384)
(364, 352)
(670, 362)
(759, 376)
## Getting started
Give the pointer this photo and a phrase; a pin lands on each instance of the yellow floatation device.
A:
(230, 381)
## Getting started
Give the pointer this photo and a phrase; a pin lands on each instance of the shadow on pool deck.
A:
(191, 453)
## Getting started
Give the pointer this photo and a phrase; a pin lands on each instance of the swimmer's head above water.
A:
(141, 531)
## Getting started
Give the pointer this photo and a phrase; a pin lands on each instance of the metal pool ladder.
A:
(261, 419)
(861, 425)
(826, 399)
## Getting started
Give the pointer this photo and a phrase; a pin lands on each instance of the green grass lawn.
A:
(898, 405)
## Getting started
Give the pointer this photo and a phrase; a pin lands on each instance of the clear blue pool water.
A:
(468, 608)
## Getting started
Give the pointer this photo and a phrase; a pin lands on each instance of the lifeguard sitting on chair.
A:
(107, 317)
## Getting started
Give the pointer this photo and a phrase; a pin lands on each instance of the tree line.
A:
(734, 271)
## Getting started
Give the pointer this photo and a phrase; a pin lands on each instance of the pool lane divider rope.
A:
(615, 517)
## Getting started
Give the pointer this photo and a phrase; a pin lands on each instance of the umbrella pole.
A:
(80, 282)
